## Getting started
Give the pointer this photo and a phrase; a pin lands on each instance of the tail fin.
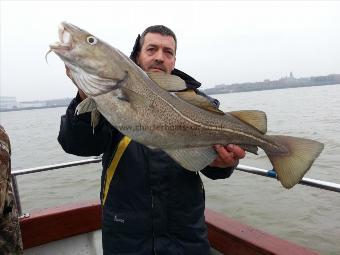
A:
(291, 167)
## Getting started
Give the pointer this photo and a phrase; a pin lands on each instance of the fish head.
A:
(95, 66)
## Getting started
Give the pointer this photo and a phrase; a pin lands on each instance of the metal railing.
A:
(15, 173)
(330, 186)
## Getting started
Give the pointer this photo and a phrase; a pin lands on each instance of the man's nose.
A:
(159, 57)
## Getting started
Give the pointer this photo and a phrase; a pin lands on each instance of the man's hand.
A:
(81, 93)
(228, 156)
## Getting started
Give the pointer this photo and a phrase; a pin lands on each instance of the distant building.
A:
(284, 82)
(32, 104)
(220, 86)
(58, 102)
(8, 103)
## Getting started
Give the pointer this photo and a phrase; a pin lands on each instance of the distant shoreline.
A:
(240, 88)
(211, 91)
(31, 108)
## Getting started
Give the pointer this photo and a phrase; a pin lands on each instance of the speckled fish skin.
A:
(10, 235)
(138, 107)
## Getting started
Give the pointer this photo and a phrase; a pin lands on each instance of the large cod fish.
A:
(156, 110)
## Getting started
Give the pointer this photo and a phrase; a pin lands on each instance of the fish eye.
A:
(91, 40)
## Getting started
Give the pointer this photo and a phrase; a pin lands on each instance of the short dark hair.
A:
(157, 29)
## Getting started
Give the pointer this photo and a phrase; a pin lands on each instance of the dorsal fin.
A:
(173, 83)
(257, 119)
(202, 102)
(167, 81)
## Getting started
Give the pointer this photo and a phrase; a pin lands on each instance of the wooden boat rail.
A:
(226, 235)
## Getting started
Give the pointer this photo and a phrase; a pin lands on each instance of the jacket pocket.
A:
(126, 232)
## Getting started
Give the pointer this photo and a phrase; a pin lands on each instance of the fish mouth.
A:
(65, 39)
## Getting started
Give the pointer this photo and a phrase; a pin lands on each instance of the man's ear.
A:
(174, 64)
(135, 49)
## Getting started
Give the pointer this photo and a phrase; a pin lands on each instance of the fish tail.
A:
(297, 158)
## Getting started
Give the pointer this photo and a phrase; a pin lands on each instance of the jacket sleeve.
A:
(215, 173)
(76, 135)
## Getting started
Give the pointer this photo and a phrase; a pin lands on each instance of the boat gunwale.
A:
(226, 235)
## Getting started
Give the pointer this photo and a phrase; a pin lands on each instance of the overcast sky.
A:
(218, 42)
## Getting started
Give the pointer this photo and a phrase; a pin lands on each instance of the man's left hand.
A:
(228, 156)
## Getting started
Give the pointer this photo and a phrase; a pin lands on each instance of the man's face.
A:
(158, 53)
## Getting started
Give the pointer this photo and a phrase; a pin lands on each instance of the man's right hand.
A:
(81, 93)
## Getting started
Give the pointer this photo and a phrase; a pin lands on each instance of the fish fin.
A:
(130, 95)
(87, 105)
(250, 148)
(193, 159)
(293, 165)
(95, 117)
(202, 102)
(167, 81)
(254, 118)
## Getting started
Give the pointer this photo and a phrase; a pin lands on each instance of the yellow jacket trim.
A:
(123, 144)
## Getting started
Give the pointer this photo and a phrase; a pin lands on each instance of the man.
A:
(151, 205)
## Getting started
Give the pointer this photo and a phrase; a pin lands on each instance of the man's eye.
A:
(169, 53)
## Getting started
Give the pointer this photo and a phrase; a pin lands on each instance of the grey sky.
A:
(218, 42)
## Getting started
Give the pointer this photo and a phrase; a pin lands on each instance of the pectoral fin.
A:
(95, 117)
(89, 105)
(193, 159)
(134, 98)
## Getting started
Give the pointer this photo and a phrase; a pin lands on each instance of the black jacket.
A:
(153, 205)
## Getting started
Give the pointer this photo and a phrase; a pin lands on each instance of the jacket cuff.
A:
(217, 172)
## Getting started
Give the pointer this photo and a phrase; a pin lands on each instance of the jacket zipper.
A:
(153, 232)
